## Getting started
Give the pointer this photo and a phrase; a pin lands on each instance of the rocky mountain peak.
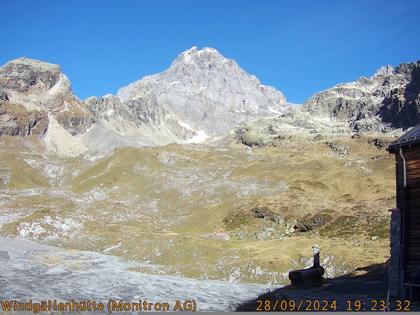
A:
(193, 54)
(408, 68)
(36, 93)
(23, 74)
(204, 91)
(201, 95)
(384, 71)
(208, 61)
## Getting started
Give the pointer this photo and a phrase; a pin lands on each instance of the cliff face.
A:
(388, 99)
(15, 120)
(401, 107)
(31, 89)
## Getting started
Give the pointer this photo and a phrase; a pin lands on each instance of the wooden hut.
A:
(404, 269)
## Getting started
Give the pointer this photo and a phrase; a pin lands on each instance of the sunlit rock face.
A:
(203, 90)
(30, 90)
(388, 99)
(201, 95)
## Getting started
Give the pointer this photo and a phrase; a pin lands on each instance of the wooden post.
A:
(310, 276)
(316, 249)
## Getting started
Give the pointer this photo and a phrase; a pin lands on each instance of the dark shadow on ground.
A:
(369, 285)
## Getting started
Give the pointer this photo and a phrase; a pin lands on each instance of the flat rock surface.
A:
(29, 270)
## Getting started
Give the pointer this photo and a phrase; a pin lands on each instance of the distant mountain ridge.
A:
(389, 98)
(201, 96)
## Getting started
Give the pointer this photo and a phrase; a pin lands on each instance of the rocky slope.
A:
(225, 211)
(401, 107)
(36, 99)
(231, 213)
(72, 273)
(388, 99)
(386, 103)
(30, 90)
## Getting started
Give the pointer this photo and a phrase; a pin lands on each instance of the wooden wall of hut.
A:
(408, 200)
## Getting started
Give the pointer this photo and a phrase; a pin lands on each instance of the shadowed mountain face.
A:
(388, 99)
(401, 107)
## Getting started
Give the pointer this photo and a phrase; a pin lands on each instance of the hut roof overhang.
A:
(408, 140)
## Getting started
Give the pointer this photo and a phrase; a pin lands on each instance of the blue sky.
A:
(298, 46)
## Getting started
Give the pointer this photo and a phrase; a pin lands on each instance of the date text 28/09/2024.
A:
(354, 305)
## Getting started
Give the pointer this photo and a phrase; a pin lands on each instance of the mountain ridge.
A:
(202, 95)
(366, 103)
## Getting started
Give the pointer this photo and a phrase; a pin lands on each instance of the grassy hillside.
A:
(231, 212)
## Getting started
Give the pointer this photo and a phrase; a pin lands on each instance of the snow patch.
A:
(274, 111)
(96, 195)
(186, 126)
(201, 136)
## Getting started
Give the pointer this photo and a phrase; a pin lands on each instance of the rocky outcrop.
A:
(3, 97)
(385, 102)
(16, 120)
(33, 89)
(136, 122)
(22, 75)
(296, 124)
(401, 107)
(388, 99)
(109, 107)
